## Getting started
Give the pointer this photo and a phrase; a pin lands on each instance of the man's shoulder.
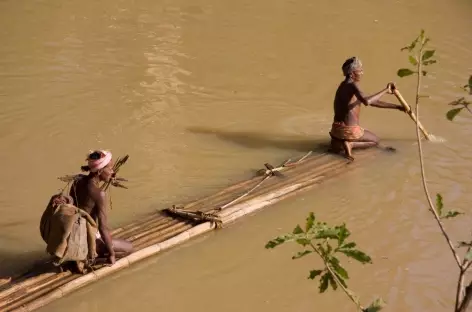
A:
(94, 191)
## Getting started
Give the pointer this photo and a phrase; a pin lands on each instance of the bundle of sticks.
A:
(114, 181)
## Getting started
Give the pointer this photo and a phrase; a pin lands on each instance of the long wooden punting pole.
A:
(411, 114)
(169, 234)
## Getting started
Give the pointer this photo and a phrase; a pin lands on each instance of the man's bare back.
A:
(346, 133)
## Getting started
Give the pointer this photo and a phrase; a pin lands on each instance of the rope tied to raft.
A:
(267, 173)
(198, 216)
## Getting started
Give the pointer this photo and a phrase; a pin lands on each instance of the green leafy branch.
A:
(328, 242)
(444, 214)
(461, 103)
(420, 57)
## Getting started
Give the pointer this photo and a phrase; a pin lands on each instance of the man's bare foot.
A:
(4, 280)
(348, 150)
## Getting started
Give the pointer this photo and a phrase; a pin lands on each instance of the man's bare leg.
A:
(348, 150)
(121, 247)
(369, 139)
(336, 146)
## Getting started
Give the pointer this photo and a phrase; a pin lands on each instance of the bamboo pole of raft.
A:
(27, 291)
(119, 265)
(153, 227)
(226, 191)
(228, 197)
(37, 295)
(152, 217)
(411, 113)
(26, 283)
(155, 231)
(328, 167)
(228, 215)
(170, 232)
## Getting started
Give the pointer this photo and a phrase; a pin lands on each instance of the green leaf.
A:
(338, 268)
(439, 204)
(357, 255)
(453, 113)
(427, 55)
(303, 241)
(411, 46)
(279, 240)
(314, 273)
(301, 254)
(470, 84)
(276, 242)
(451, 214)
(329, 249)
(297, 230)
(349, 245)
(413, 60)
(310, 221)
(426, 63)
(327, 233)
(341, 280)
(343, 233)
(324, 283)
(405, 72)
(468, 256)
(375, 306)
(425, 42)
(333, 283)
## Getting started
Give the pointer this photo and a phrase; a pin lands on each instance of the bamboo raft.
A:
(163, 229)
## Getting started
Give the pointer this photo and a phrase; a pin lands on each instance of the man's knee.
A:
(123, 246)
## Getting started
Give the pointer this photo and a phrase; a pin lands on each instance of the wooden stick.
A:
(411, 114)
(154, 230)
(20, 300)
(144, 227)
(157, 237)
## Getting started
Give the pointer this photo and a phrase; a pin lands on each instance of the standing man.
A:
(346, 133)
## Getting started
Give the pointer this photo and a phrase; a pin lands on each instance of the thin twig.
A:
(467, 298)
(423, 175)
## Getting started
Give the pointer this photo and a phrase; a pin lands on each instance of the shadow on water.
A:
(12, 263)
(266, 140)
(281, 141)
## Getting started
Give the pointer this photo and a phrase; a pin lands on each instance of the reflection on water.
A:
(200, 94)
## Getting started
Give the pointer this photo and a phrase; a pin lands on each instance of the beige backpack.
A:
(68, 231)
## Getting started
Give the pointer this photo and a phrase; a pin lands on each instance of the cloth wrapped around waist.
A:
(341, 131)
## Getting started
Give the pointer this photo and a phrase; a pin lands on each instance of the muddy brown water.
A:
(201, 93)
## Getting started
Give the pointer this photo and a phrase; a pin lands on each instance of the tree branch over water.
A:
(420, 57)
(317, 236)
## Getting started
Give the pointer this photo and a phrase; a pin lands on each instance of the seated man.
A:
(346, 133)
(88, 196)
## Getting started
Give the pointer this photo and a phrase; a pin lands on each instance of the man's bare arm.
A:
(101, 205)
(382, 104)
(370, 99)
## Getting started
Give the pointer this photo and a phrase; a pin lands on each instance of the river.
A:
(199, 94)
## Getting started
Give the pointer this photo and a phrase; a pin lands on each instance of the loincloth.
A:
(342, 132)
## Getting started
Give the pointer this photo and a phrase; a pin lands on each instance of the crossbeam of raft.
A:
(167, 228)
